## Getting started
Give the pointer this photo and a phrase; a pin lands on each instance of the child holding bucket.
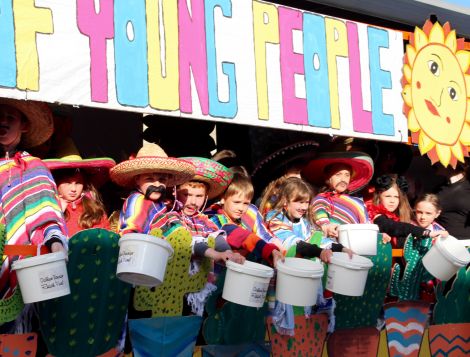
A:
(148, 175)
(229, 216)
(25, 181)
(77, 180)
(210, 180)
(391, 211)
(289, 221)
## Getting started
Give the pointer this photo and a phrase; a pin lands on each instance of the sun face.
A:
(436, 93)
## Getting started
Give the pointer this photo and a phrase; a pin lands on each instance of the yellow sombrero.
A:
(152, 158)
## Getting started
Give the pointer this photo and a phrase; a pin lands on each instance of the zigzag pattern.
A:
(464, 340)
(448, 353)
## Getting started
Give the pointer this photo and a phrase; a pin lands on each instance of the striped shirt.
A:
(198, 225)
(338, 208)
(140, 215)
(288, 232)
(29, 207)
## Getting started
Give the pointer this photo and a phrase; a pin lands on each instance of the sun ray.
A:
(457, 151)
(421, 39)
(464, 60)
(407, 72)
(437, 34)
(425, 143)
(451, 41)
(410, 54)
(406, 94)
(413, 124)
(444, 154)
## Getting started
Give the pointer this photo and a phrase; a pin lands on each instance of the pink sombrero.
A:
(96, 168)
(39, 117)
(212, 173)
(152, 158)
(361, 164)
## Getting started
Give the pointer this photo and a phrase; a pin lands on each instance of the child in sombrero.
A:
(148, 175)
(24, 182)
(77, 181)
(211, 179)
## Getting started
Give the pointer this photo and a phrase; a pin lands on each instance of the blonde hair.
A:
(430, 198)
(240, 184)
(293, 189)
(403, 211)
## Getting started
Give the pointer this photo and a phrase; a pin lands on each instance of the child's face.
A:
(297, 209)
(11, 126)
(148, 181)
(71, 188)
(426, 213)
(390, 199)
(236, 205)
(192, 198)
(339, 180)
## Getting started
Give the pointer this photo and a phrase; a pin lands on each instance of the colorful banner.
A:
(243, 62)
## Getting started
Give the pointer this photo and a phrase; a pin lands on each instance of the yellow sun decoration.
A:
(436, 90)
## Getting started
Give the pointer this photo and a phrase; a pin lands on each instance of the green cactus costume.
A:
(89, 321)
(408, 287)
(453, 302)
(167, 299)
(11, 307)
(363, 311)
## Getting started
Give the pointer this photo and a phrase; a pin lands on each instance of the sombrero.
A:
(152, 158)
(97, 168)
(39, 118)
(212, 173)
(361, 164)
(275, 165)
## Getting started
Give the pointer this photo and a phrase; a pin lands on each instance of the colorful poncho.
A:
(29, 208)
(336, 208)
(140, 215)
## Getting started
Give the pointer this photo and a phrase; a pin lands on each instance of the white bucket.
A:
(247, 283)
(361, 238)
(348, 276)
(446, 257)
(43, 277)
(298, 281)
(142, 259)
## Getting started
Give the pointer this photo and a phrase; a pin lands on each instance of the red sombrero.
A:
(213, 173)
(361, 164)
(96, 168)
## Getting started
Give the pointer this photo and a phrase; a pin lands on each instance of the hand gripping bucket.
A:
(361, 238)
(348, 276)
(446, 257)
(43, 277)
(298, 281)
(247, 284)
(142, 259)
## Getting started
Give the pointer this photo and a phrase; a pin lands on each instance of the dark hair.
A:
(384, 183)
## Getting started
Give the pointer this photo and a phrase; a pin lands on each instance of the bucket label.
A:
(128, 255)
(52, 280)
(258, 292)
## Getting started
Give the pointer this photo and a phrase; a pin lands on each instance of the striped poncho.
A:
(336, 208)
(29, 208)
(139, 214)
